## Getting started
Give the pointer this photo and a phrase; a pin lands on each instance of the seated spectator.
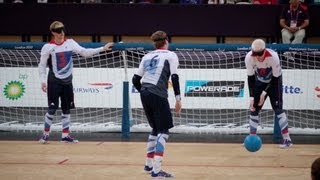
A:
(315, 169)
(294, 20)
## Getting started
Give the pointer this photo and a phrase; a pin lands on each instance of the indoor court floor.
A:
(97, 160)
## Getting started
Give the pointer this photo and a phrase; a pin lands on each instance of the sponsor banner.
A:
(93, 87)
(201, 88)
(205, 88)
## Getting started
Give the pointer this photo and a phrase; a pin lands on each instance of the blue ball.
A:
(252, 143)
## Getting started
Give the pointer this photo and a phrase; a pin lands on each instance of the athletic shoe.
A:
(44, 139)
(161, 174)
(147, 169)
(286, 144)
(69, 139)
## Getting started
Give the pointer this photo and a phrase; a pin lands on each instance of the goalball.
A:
(252, 143)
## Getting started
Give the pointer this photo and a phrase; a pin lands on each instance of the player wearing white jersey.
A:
(151, 80)
(57, 54)
(265, 79)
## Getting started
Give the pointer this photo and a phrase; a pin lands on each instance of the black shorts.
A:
(157, 110)
(58, 90)
(274, 93)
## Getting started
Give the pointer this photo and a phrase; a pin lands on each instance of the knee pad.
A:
(52, 111)
(66, 111)
(254, 113)
(154, 132)
(164, 132)
(278, 111)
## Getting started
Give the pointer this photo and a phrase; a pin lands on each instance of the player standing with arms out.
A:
(155, 70)
(57, 54)
(265, 79)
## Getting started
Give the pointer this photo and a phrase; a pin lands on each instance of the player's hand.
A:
(44, 87)
(108, 46)
(262, 98)
(293, 30)
(252, 108)
(178, 107)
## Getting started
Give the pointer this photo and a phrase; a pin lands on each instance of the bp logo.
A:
(14, 90)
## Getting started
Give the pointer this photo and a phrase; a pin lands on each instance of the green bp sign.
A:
(14, 90)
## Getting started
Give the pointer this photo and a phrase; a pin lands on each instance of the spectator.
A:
(315, 169)
(294, 20)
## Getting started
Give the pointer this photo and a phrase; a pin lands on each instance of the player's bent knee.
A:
(66, 111)
(254, 113)
(52, 111)
(278, 111)
(166, 131)
(154, 132)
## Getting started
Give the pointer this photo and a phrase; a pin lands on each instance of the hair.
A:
(315, 169)
(159, 39)
(56, 24)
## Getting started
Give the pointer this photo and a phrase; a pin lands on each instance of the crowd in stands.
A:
(305, 2)
(294, 19)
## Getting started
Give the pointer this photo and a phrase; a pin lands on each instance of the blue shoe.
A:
(44, 139)
(286, 144)
(147, 169)
(69, 139)
(161, 174)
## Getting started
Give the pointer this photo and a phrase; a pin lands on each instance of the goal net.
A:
(213, 84)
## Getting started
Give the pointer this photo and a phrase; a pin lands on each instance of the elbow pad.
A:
(175, 84)
(275, 81)
(136, 82)
(251, 82)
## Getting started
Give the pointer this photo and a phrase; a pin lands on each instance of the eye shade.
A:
(58, 30)
(260, 53)
(160, 39)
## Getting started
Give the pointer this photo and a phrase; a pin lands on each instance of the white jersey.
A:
(155, 69)
(61, 58)
(264, 70)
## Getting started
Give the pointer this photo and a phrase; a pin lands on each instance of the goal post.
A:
(213, 85)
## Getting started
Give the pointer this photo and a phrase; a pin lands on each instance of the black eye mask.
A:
(58, 30)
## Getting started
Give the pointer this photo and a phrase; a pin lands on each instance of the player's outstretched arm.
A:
(108, 46)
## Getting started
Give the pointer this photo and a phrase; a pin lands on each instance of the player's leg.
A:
(298, 36)
(151, 148)
(147, 104)
(276, 100)
(254, 119)
(53, 92)
(67, 103)
(286, 36)
(163, 120)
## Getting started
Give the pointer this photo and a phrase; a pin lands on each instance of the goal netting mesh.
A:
(213, 85)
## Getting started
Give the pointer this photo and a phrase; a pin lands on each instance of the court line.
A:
(100, 143)
(140, 165)
(61, 162)
(317, 155)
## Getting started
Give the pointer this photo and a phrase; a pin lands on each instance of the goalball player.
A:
(151, 80)
(57, 54)
(265, 79)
